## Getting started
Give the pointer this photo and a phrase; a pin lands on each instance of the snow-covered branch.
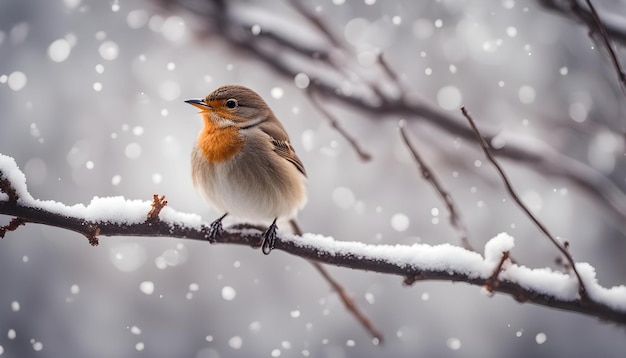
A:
(117, 216)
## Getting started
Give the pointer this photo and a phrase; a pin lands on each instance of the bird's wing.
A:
(280, 142)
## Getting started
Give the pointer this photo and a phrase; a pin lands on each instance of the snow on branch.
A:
(116, 216)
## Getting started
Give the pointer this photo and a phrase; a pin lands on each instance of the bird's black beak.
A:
(198, 102)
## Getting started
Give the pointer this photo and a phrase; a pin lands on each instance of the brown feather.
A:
(281, 144)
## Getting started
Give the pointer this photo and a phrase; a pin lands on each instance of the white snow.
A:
(17, 80)
(541, 338)
(112, 209)
(443, 257)
(543, 280)
(495, 248)
(147, 287)
(109, 50)
(59, 50)
(400, 222)
(10, 171)
(449, 97)
(455, 259)
(135, 330)
(615, 297)
(228, 293)
(235, 342)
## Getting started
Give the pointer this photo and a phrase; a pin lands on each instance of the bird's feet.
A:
(216, 230)
(269, 239)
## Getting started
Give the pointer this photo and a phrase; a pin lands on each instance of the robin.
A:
(243, 163)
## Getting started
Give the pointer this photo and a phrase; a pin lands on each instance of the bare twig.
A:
(11, 226)
(348, 302)
(429, 175)
(390, 72)
(363, 155)
(509, 187)
(566, 8)
(316, 22)
(601, 29)
(492, 282)
(158, 203)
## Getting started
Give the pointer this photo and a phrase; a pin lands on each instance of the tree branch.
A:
(599, 28)
(348, 302)
(414, 263)
(520, 203)
(328, 72)
(363, 154)
(615, 30)
(429, 175)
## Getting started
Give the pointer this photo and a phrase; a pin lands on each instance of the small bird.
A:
(243, 163)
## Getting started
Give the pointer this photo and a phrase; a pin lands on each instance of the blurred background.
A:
(91, 104)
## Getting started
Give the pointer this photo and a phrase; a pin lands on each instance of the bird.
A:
(243, 163)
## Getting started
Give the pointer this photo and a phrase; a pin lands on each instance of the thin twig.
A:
(485, 147)
(492, 282)
(615, 30)
(317, 23)
(158, 203)
(429, 175)
(390, 72)
(621, 76)
(11, 226)
(348, 302)
(363, 155)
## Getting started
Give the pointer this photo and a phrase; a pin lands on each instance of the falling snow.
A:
(302, 80)
(109, 50)
(277, 92)
(449, 97)
(235, 342)
(228, 293)
(343, 197)
(400, 222)
(147, 287)
(526, 94)
(541, 338)
(16, 80)
(75, 86)
(59, 50)
(75, 289)
(454, 344)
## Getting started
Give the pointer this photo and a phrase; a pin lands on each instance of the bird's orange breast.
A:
(218, 144)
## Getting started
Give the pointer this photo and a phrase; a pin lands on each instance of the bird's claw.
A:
(215, 229)
(269, 239)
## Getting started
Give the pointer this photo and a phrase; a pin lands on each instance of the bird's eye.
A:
(231, 103)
